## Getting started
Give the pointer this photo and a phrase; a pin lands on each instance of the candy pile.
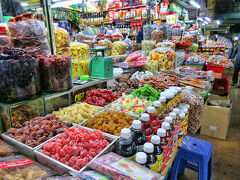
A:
(136, 59)
(141, 75)
(79, 51)
(100, 97)
(55, 72)
(62, 41)
(119, 48)
(87, 145)
(19, 74)
(130, 104)
(147, 92)
(162, 81)
(38, 130)
(110, 122)
(76, 113)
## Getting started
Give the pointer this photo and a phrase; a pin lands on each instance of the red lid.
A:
(3, 30)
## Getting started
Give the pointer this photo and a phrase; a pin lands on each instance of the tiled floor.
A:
(226, 154)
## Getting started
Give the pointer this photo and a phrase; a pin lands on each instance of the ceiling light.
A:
(218, 22)
(24, 4)
(195, 4)
(189, 21)
(235, 38)
(200, 19)
(55, 0)
(66, 3)
(208, 19)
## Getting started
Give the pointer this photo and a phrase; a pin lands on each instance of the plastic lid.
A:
(173, 87)
(148, 148)
(141, 158)
(187, 106)
(163, 94)
(171, 95)
(176, 110)
(166, 125)
(174, 91)
(161, 132)
(162, 99)
(155, 139)
(157, 103)
(182, 116)
(179, 89)
(136, 124)
(185, 110)
(173, 115)
(145, 117)
(125, 133)
(169, 119)
(151, 109)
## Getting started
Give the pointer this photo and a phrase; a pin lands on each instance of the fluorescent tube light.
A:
(24, 4)
(195, 4)
(208, 19)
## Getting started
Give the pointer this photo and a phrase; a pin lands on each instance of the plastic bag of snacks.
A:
(55, 72)
(118, 168)
(117, 37)
(19, 74)
(179, 58)
(177, 33)
(196, 108)
(4, 39)
(80, 37)
(188, 38)
(63, 51)
(157, 35)
(147, 30)
(6, 150)
(20, 167)
(148, 46)
(166, 44)
(136, 47)
(166, 29)
(129, 44)
(119, 48)
(80, 68)
(79, 51)
(62, 38)
(107, 43)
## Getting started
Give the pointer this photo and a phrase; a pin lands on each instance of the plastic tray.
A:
(215, 68)
(199, 66)
(62, 168)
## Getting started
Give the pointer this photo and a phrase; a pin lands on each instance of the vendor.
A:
(11, 8)
(193, 27)
(236, 56)
(139, 37)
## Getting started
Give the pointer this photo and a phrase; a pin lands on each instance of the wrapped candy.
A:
(157, 35)
(148, 46)
(79, 51)
(55, 73)
(119, 48)
(19, 75)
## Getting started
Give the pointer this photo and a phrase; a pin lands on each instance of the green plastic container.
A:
(6, 18)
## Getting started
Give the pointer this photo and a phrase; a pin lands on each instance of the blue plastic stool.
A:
(196, 155)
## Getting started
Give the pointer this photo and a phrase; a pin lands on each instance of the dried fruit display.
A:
(147, 92)
(55, 72)
(79, 51)
(6, 150)
(75, 147)
(76, 113)
(119, 48)
(162, 81)
(100, 97)
(130, 104)
(19, 74)
(166, 44)
(62, 41)
(111, 122)
(38, 130)
(157, 35)
(148, 46)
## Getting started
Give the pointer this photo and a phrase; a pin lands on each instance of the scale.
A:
(99, 66)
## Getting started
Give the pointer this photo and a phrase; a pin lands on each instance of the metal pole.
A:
(50, 27)
(1, 14)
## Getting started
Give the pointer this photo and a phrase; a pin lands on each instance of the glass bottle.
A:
(162, 99)
(153, 118)
(138, 135)
(141, 158)
(147, 127)
(151, 158)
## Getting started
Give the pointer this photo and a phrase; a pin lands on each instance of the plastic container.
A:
(159, 111)
(196, 65)
(147, 127)
(163, 141)
(163, 100)
(141, 158)
(151, 157)
(158, 151)
(138, 135)
(215, 68)
(153, 118)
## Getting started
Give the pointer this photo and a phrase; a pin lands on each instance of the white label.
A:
(214, 128)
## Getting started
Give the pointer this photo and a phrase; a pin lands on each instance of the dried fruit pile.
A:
(75, 147)
(110, 122)
(100, 97)
(38, 130)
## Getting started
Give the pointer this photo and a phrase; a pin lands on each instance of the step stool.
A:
(195, 154)
(221, 85)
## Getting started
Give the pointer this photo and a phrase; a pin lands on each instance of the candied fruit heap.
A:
(75, 147)
(110, 122)
(38, 130)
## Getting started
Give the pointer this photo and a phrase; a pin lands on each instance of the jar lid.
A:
(182, 116)
(136, 124)
(162, 99)
(157, 104)
(151, 109)
(145, 117)
(166, 125)
(173, 115)
(169, 119)
(176, 110)
(141, 158)
(170, 95)
(125, 133)
(148, 148)
(185, 110)
(155, 140)
(161, 132)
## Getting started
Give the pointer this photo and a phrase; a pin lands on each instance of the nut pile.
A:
(157, 36)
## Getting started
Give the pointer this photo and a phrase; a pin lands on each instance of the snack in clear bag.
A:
(118, 168)
(79, 51)
(188, 38)
(148, 46)
(4, 39)
(166, 29)
(80, 68)
(179, 58)
(196, 108)
(20, 167)
(62, 38)
(129, 44)
(166, 44)
(107, 43)
(80, 37)
(6, 149)
(136, 47)
(157, 35)
(63, 51)
(19, 74)
(147, 30)
(119, 48)
(55, 73)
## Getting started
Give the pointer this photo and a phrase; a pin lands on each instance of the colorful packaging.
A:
(144, 12)
(138, 14)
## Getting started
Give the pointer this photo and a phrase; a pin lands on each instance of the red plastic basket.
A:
(215, 68)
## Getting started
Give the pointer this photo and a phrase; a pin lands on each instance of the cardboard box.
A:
(215, 121)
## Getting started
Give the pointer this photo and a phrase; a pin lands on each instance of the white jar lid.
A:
(141, 158)
(151, 109)
(148, 148)
(173, 115)
(145, 117)
(155, 140)
(125, 133)
(162, 99)
(169, 119)
(157, 104)
(137, 124)
(161, 132)
(166, 125)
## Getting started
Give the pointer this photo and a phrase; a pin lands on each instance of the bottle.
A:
(153, 118)
(151, 158)
(173, 115)
(137, 135)
(163, 141)
(125, 146)
(162, 99)
(169, 120)
(158, 151)
(159, 111)
(166, 126)
(183, 121)
(146, 126)
(177, 111)
(141, 158)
